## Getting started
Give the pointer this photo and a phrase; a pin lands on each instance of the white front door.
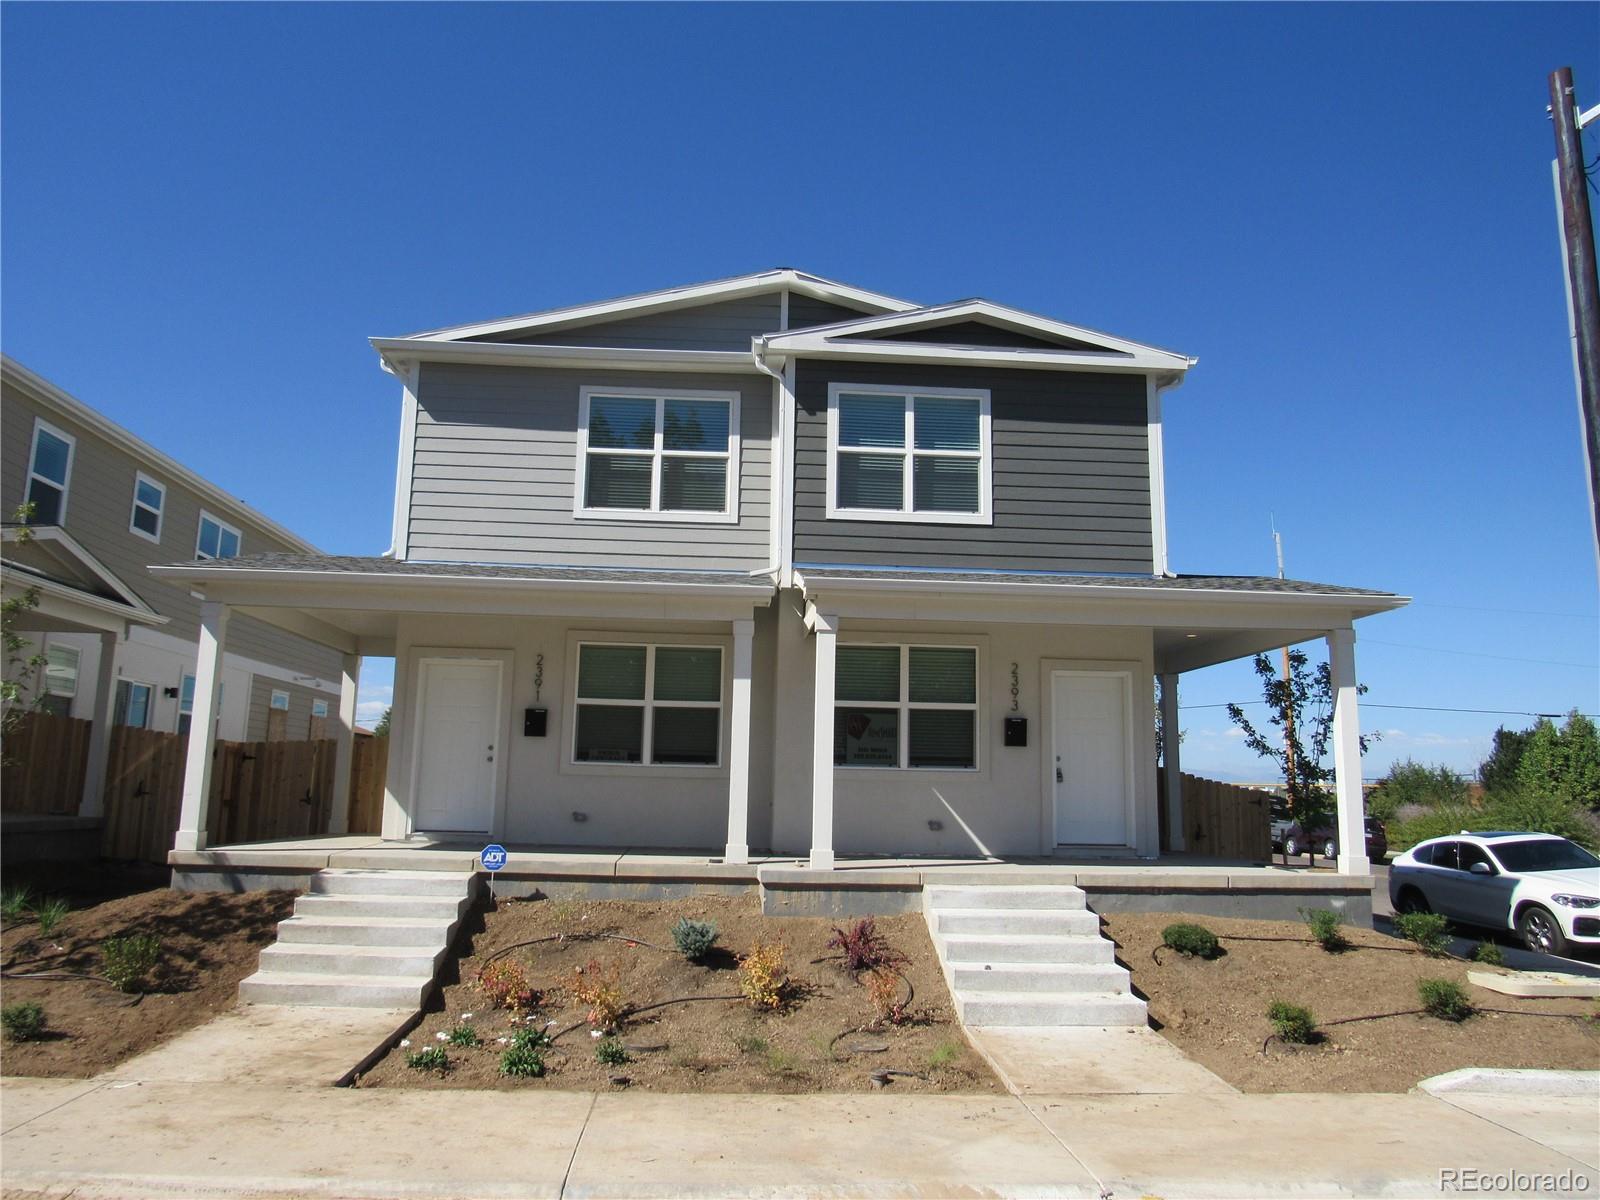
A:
(458, 738)
(1093, 768)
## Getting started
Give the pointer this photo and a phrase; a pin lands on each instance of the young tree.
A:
(17, 679)
(1498, 772)
(381, 729)
(1563, 763)
(1307, 697)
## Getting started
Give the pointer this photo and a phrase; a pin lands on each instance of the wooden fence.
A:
(1220, 820)
(259, 790)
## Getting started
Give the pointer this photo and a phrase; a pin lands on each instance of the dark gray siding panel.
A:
(978, 333)
(1071, 475)
(805, 311)
(495, 473)
(723, 325)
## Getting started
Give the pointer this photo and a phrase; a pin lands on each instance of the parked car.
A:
(1544, 887)
(1293, 838)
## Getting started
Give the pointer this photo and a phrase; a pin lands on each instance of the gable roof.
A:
(50, 558)
(644, 303)
(1065, 345)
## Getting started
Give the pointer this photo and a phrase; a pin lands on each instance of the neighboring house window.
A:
(914, 706)
(319, 708)
(132, 704)
(149, 498)
(280, 700)
(648, 704)
(60, 680)
(660, 455)
(908, 455)
(49, 470)
(186, 703)
(217, 538)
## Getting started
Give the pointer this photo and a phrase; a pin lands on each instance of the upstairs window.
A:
(657, 455)
(909, 455)
(217, 538)
(906, 706)
(648, 704)
(149, 498)
(49, 470)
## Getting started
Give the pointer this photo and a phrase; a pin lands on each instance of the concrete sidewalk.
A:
(126, 1138)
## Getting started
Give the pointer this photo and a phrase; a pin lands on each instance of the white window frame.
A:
(272, 701)
(905, 704)
(77, 670)
(651, 643)
(199, 529)
(984, 455)
(319, 704)
(160, 511)
(730, 513)
(39, 423)
(149, 704)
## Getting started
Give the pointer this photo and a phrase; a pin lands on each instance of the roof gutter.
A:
(198, 576)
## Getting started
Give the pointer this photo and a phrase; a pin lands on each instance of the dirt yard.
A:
(819, 1040)
(209, 943)
(1216, 1010)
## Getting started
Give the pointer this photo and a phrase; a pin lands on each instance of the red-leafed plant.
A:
(865, 949)
(505, 984)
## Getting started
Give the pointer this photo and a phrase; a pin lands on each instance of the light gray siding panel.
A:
(99, 504)
(297, 725)
(495, 473)
(722, 325)
(1071, 486)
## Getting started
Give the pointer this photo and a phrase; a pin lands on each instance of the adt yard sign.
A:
(493, 857)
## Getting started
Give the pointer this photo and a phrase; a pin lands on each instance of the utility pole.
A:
(1288, 697)
(1583, 289)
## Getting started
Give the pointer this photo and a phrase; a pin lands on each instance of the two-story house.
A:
(119, 644)
(776, 562)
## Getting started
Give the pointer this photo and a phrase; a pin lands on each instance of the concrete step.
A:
(300, 958)
(1026, 948)
(1015, 921)
(1030, 897)
(1035, 1009)
(1039, 977)
(334, 991)
(365, 931)
(389, 883)
(447, 908)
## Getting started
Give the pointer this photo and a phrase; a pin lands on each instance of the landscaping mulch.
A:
(209, 942)
(818, 1041)
(1215, 1010)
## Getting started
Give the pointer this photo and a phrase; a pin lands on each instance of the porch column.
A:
(738, 849)
(826, 631)
(1351, 819)
(202, 728)
(93, 801)
(1170, 758)
(344, 746)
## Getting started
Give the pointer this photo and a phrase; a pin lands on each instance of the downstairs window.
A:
(906, 706)
(640, 704)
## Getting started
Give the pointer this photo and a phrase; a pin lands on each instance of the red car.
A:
(1322, 840)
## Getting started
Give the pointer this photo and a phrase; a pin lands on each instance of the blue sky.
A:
(1344, 211)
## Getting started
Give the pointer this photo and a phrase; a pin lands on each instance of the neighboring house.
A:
(775, 562)
(106, 506)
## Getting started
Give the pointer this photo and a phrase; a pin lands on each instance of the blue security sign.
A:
(493, 857)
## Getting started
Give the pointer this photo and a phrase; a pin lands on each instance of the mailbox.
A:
(1016, 731)
(533, 721)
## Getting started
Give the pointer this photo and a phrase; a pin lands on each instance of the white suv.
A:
(1544, 887)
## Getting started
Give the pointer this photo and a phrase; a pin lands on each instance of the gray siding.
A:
(297, 724)
(722, 325)
(99, 503)
(495, 473)
(978, 333)
(806, 311)
(1071, 475)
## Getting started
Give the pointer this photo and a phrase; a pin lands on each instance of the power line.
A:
(1547, 662)
(1516, 612)
(1493, 712)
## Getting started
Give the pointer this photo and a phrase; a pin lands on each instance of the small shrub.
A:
(49, 913)
(865, 949)
(601, 991)
(883, 991)
(528, 1038)
(464, 1035)
(945, 1053)
(749, 1043)
(522, 1062)
(15, 903)
(505, 985)
(762, 976)
(610, 1052)
(429, 1058)
(1428, 930)
(1444, 998)
(129, 959)
(1325, 924)
(22, 1022)
(1489, 954)
(693, 939)
(1187, 938)
(1291, 1022)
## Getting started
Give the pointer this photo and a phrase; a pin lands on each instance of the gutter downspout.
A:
(780, 513)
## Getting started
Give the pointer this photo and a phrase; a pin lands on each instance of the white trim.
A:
(400, 534)
(645, 303)
(650, 643)
(223, 527)
(160, 510)
(1049, 668)
(790, 450)
(658, 455)
(1158, 477)
(905, 705)
(47, 393)
(272, 701)
(65, 485)
(909, 453)
(399, 355)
